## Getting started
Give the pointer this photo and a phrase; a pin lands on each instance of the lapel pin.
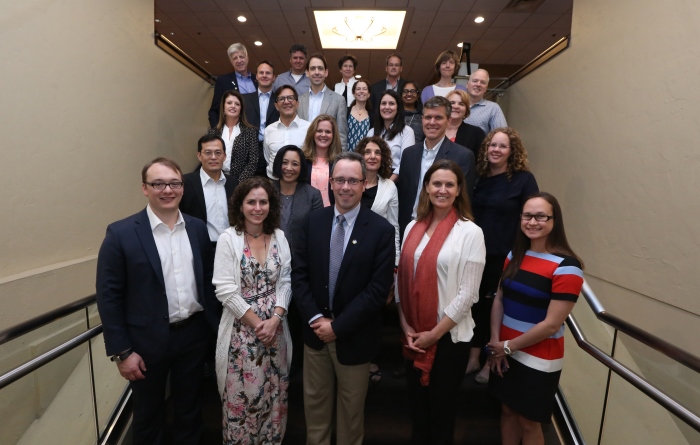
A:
(354, 241)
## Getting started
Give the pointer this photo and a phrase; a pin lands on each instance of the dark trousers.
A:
(184, 361)
(434, 407)
(481, 310)
(261, 169)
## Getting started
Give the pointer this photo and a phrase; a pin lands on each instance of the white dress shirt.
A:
(229, 143)
(340, 89)
(425, 163)
(177, 262)
(215, 202)
(315, 101)
(277, 135)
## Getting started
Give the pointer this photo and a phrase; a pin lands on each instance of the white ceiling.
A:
(505, 41)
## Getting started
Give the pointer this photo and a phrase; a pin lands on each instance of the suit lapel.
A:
(197, 257)
(199, 192)
(145, 235)
(444, 149)
(325, 238)
(326, 102)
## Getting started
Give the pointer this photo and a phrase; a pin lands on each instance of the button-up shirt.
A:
(215, 202)
(315, 101)
(245, 83)
(264, 101)
(487, 115)
(177, 262)
(425, 163)
(277, 135)
(229, 138)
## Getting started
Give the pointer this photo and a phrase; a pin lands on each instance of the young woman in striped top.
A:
(540, 284)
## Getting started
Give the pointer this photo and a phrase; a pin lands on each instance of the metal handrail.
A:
(37, 362)
(669, 350)
(638, 382)
(44, 319)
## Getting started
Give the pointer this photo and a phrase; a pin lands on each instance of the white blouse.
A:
(229, 143)
(397, 145)
(460, 265)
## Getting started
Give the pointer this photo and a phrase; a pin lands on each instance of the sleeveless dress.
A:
(255, 394)
(357, 130)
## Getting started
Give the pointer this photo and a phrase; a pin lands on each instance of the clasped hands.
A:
(419, 341)
(496, 361)
(323, 329)
(266, 330)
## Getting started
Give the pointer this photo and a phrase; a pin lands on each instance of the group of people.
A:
(313, 209)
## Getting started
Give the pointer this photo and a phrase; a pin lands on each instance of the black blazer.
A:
(309, 166)
(252, 109)
(409, 174)
(130, 286)
(245, 152)
(378, 88)
(470, 136)
(363, 282)
(192, 202)
(223, 84)
(306, 199)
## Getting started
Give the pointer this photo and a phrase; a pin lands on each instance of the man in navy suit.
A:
(342, 271)
(417, 159)
(240, 79)
(207, 189)
(260, 108)
(157, 305)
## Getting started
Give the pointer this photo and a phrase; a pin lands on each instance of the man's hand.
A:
(131, 368)
(323, 329)
(266, 330)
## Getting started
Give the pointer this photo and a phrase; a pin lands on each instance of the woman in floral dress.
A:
(252, 279)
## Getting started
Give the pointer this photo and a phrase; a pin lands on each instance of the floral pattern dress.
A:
(255, 394)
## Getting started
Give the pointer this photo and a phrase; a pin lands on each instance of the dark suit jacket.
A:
(193, 202)
(252, 109)
(409, 178)
(130, 286)
(470, 136)
(244, 154)
(379, 87)
(222, 85)
(363, 282)
(305, 200)
(309, 166)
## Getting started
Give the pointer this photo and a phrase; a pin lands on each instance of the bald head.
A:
(478, 85)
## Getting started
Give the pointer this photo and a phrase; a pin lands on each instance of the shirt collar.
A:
(436, 148)
(155, 221)
(206, 178)
(239, 76)
(260, 93)
(311, 92)
(350, 216)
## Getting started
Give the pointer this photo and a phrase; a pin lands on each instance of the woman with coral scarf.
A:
(440, 268)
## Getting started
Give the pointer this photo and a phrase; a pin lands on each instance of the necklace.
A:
(254, 236)
(247, 248)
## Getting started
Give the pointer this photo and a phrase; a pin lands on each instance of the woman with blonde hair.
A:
(458, 131)
(321, 146)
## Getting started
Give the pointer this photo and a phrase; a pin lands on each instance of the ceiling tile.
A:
(501, 57)
(510, 19)
(172, 6)
(201, 5)
(449, 18)
(294, 5)
(538, 20)
(556, 6)
(326, 3)
(185, 19)
(264, 5)
(497, 33)
(231, 5)
(392, 4)
(456, 5)
(213, 18)
(358, 4)
(489, 5)
(563, 22)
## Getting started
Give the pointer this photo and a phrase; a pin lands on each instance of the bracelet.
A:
(278, 316)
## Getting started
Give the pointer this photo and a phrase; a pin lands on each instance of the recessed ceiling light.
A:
(258, 43)
(355, 29)
(459, 45)
(479, 19)
(172, 33)
(206, 61)
(241, 18)
(157, 20)
(357, 76)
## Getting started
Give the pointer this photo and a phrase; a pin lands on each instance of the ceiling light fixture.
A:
(241, 19)
(258, 43)
(359, 29)
(479, 19)
(357, 76)
(459, 45)
(157, 20)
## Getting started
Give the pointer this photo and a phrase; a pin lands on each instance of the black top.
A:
(414, 119)
(368, 197)
(470, 136)
(497, 204)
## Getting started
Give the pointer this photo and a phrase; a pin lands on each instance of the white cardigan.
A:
(464, 254)
(340, 88)
(227, 279)
(386, 204)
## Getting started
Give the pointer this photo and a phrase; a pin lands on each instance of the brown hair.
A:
(444, 57)
(235, 215)
(556, 240)
(172, 165)
(461, 203)
(310, 143)
(222, 116)
(385, 169)
(517, 160)
(465, 99)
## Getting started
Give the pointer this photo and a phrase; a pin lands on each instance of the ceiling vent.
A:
(522, 5)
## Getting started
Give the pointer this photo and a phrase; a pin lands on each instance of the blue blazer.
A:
(362, 286)
(130, 286)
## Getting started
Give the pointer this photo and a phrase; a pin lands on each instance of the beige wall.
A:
(612, 126)
(87, 99)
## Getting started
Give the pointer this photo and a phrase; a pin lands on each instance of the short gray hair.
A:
(235, 48)
(351, 156)
(437, 102)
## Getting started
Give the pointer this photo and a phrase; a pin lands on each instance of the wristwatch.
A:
(281, 317)
(506, 349)
(121, 357)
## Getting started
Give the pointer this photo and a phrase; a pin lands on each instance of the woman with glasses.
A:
(458, 131)
(504, 183)
(252, 271)
(359, 119)
(438, 277)
(446, 67)
(413, 109)
(389, 123)
(321, 146)
(539, 286)
(240, 137)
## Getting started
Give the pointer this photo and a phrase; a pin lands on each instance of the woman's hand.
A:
(266, 330)
(409, 332)
(424, 340)
(497, 365)
(495, 349)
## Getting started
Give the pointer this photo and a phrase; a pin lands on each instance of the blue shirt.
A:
(425, 163)
(264, 101)
(487, 115)
(315, 101)
(245, 83)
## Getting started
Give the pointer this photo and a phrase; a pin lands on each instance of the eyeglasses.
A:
(177, 185)
(411, 91)
(341, 181)
(282, 99)
(501, 146)
(209, 153)
(539, 217)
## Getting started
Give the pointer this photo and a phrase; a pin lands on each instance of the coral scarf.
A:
(419, 291)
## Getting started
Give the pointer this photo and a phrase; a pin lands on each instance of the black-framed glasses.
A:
(341, 181)
(539, 217)
(282, 99)
(410, 91)
(160, 186)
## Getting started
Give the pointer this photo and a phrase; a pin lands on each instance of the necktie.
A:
(336, 257)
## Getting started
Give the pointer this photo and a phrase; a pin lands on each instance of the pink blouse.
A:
(319, 179)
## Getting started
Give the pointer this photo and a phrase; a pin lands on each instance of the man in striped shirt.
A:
(483, 113)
